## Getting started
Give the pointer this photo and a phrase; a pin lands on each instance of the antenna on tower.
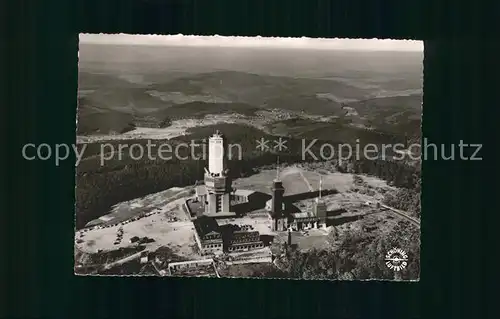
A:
(320, 185)
(278, 168)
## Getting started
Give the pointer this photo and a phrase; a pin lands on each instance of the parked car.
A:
(134, 239)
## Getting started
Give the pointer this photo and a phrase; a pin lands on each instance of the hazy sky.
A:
(221, 41)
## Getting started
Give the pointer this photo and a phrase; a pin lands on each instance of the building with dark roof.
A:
(208, 236)
(282, 217)
(241, 238)
(306, 219)
(214, 239)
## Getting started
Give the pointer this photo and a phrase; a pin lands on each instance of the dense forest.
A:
(397, 173)
(357, 255)
(407, 199)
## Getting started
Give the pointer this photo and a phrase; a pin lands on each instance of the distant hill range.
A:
(111, 102)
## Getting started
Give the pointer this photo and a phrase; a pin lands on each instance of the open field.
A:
(294, 183)
(176, 235)
(176, 129)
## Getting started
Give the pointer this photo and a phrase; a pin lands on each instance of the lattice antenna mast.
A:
(320, 185)
(278, 168)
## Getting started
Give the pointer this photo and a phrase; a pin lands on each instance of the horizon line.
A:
(180, 40)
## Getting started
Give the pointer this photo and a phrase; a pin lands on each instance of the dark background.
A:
(40, 77)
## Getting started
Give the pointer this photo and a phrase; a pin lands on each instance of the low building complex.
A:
(216, 198)
(242, 238)
(198, 268)
(208, 236)
(213, 239)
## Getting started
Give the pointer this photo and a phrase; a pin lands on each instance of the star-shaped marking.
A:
(280, 144)
(262, 144)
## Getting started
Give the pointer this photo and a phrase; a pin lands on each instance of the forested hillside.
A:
(357, 255)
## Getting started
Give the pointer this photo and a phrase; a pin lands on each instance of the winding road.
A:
(403, 214)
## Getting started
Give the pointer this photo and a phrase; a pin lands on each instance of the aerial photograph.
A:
(248, 157)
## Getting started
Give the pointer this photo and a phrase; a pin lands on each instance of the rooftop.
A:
(303, 215)
(245, 231)
(207, 261)
(243, 192)
(232, 230)
(205, 225)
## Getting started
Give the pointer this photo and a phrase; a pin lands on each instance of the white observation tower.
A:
(217, 182)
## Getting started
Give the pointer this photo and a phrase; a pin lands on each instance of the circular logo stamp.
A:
(396, 259)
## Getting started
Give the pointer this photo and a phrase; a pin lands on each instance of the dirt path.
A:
(122, 261)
